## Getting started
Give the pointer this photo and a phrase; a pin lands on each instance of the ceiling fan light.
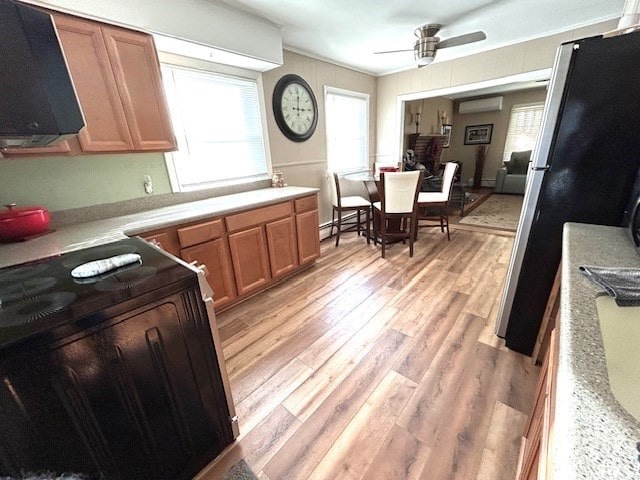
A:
(424, 61)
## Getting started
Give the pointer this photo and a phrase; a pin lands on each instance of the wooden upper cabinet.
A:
(116, 74)
(135, 65)
(106, 128)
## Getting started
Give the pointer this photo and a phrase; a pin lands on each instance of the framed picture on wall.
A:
(446, 131)
(478, 134)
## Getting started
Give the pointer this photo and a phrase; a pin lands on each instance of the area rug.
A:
(240, 471)
(497, 211)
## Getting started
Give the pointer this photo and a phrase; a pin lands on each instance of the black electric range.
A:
(39, 296)
(118, 376)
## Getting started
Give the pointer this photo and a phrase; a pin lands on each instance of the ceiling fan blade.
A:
(394, 51)
(461, 39)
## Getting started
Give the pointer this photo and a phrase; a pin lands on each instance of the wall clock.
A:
(295, 108)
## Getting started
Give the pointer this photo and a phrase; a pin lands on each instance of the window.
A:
(218, 125)
(524, 125)
(347, 121)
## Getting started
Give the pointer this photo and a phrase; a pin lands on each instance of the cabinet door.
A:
(164, 240)
(532, 438)
(281, 243)
(215, 255)
(135, 64)
(106, 128)
(250, 260)
(307, 228)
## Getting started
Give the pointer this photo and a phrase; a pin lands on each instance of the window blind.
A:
(524, 124)
(219, 127)
(347, 124)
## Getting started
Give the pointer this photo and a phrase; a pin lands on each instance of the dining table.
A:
(370, 181)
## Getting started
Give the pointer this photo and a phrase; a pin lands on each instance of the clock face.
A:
(295, 108)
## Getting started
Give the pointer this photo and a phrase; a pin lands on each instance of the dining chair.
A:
(398, 200)
(352, 203)
(429, 201)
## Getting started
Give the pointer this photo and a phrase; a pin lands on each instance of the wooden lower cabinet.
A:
(214, 254)
(247, 251)
(536, 461)
(281, 244)
(308, 238)
(250, 259)
(165, 240)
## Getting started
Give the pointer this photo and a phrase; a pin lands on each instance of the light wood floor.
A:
(364, 368)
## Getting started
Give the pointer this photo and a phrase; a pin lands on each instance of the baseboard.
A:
(325, 228)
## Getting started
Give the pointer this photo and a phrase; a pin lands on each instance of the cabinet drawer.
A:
(306, 203)
(200, 233)
(258, 216)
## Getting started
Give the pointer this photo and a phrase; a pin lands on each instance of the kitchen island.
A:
(593, 437)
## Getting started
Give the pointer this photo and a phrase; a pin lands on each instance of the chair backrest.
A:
(400, 191)
(334, 188)
(448, 177)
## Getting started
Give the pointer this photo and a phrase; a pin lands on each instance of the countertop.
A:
(594, 437)
(83, 235)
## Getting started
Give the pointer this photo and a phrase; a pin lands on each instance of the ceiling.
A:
(347, 32)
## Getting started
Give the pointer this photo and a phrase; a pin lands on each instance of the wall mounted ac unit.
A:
(483, 105)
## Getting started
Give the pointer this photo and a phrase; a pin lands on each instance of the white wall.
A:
(500, 122)
(201, 21)
(305, 163)
(522, 58)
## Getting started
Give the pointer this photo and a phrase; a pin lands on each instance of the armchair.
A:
(512, 177)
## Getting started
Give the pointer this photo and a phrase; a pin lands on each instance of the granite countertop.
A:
(594, 437)
(83, 235)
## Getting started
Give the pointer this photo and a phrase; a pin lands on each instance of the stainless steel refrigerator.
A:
(582, 170)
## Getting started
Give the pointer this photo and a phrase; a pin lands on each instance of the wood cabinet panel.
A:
(306, 203)
(307, 228)
(250, 259)
(86, 53)
(202, 232)
(281, 244)
(258, 216)
(165, 239)
(215, 255)
(137, 71)
(535, 460)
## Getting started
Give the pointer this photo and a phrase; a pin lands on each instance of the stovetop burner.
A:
(39, 296)
(126, 279)
(35, 308)
(17, 274)
(24, 288)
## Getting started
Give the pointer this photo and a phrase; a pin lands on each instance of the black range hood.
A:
(38, 104)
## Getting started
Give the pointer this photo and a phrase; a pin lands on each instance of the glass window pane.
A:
(524, 124)
(220, 133)
(347, 131)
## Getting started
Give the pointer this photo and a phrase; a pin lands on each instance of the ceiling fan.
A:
(427, 44)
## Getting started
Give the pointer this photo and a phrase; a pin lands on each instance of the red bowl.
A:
(19, 222)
